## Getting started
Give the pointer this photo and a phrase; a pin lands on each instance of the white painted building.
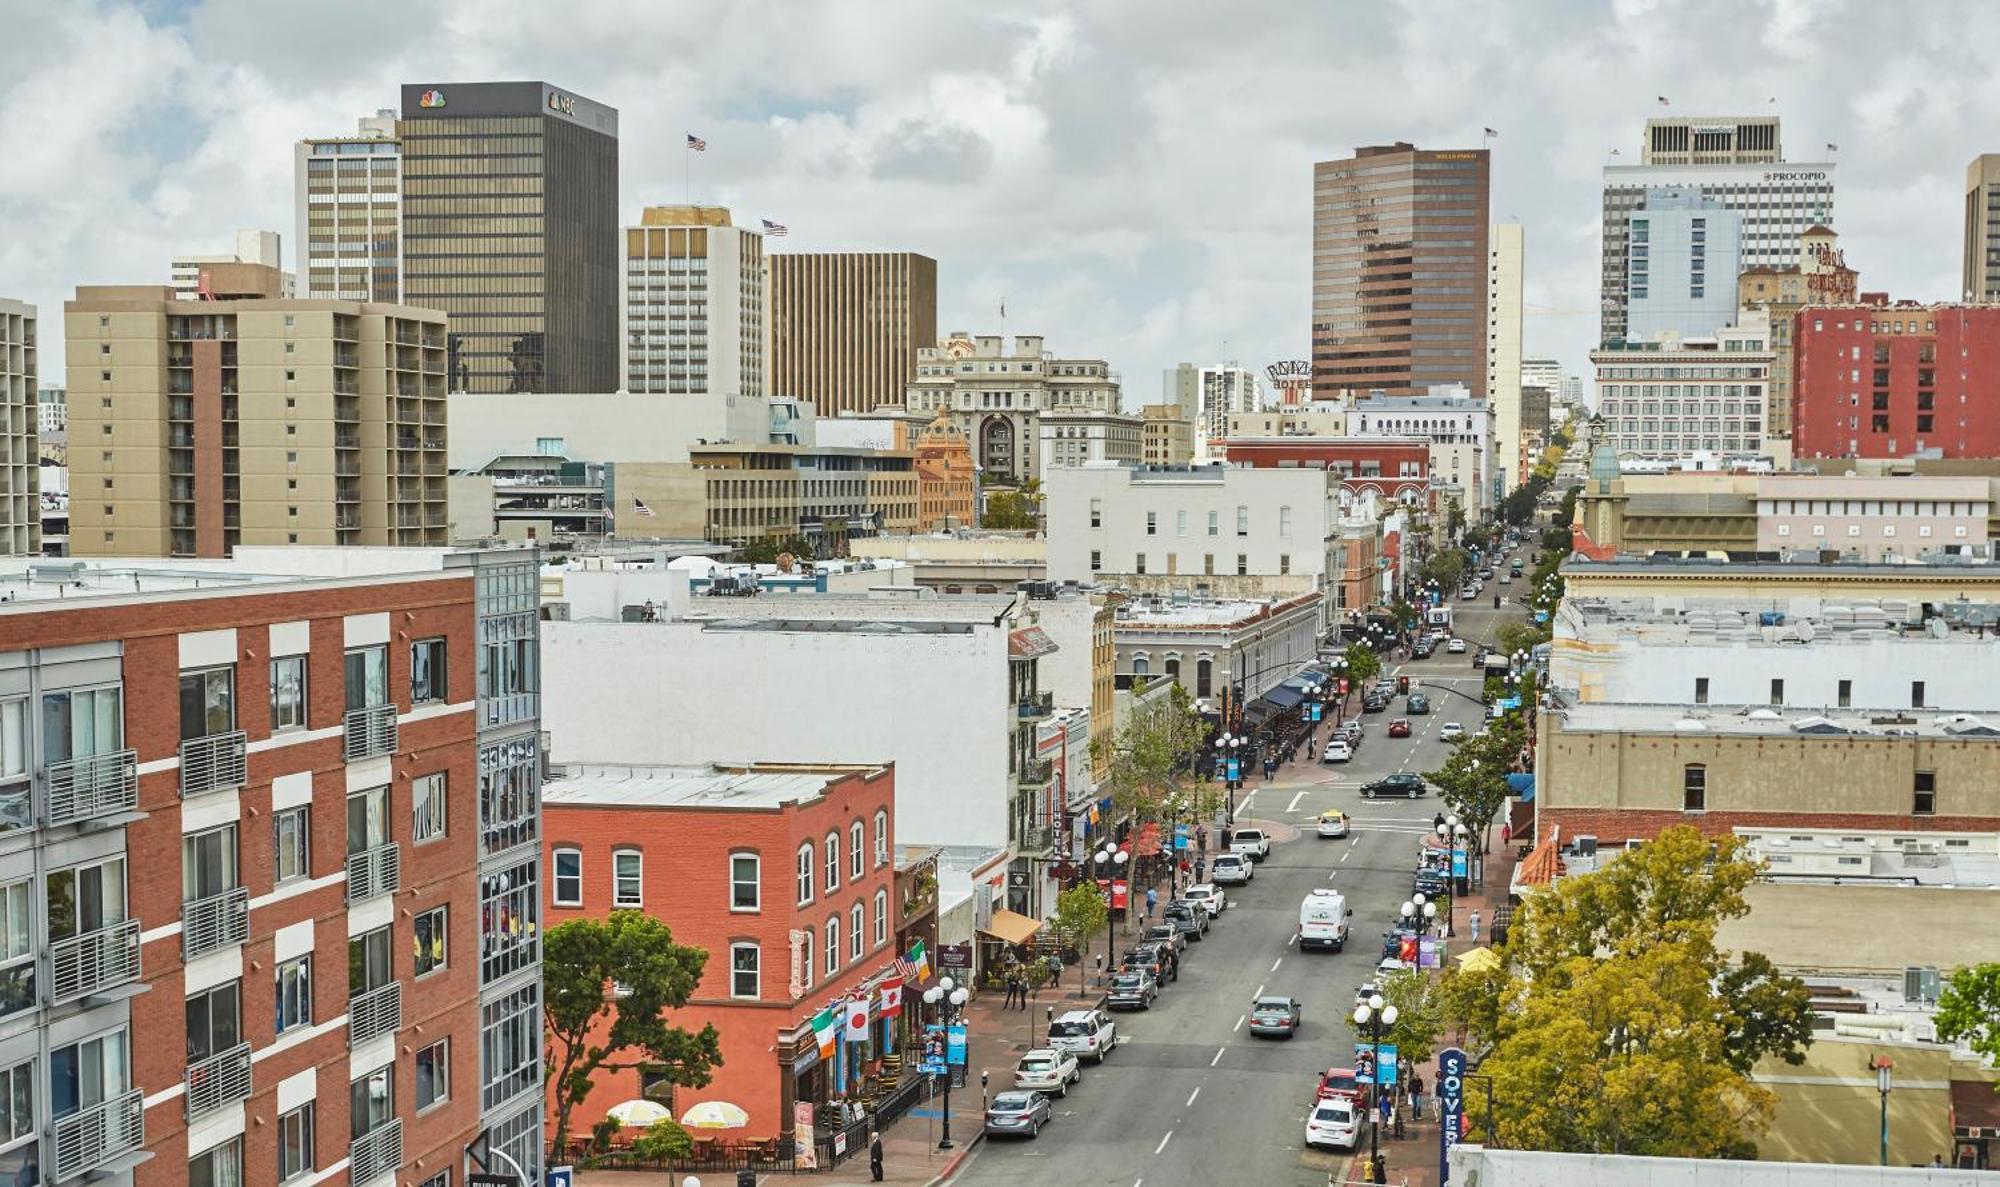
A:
(614, 426)
(1213, 531)
(1672, 398)
(1504, 250)
(693, 306)
(1459, 429)
(1077, 437)
(20, 468)
(1207, 646)
(252, 247)
(997, 394)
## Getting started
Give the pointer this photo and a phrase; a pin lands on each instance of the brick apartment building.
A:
(263, 822)
(1393, 468)
(1879, 380)
(785, 875)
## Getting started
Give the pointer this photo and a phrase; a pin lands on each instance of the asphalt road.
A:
(1189, 1097)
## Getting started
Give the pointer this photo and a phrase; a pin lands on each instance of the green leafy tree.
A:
(1473, 780)
(1419, 1014)
(1018, 510)
(1081, 913)
(664, 1139)
(1519, 636)
(765, 550)
(593, 1030)
(1454, 520)
(1152, 762)
(1969, 1008)
(1363, 664)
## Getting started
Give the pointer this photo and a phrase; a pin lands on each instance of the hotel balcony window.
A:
(215, 907)
(93, 944)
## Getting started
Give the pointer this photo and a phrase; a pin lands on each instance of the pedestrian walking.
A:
(875, 1156)
(1386, 1105)
(1473, 923)
(1152, 902)
(1416, 1096)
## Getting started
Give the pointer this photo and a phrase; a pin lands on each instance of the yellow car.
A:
(1333, 824)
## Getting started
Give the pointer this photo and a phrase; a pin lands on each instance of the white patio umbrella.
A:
(715, 1114)
(639, 1112)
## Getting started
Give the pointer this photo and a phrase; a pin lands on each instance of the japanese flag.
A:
(857, 1020)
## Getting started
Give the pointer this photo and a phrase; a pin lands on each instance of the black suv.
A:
(1374, 702)
(1402, 783)
(1157, 959)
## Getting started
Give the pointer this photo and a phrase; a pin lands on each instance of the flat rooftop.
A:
(1806, 567)
(34, 583)
(756, 787)
(1192, 613)
(1771, 721)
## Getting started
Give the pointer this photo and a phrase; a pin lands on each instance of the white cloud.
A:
(1132, 176)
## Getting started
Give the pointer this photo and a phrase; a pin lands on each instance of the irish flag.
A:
(915, 968)
(826, 1028)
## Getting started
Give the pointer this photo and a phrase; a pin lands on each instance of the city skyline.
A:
(1058, 163)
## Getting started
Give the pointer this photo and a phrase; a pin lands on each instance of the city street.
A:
(1189, 1097)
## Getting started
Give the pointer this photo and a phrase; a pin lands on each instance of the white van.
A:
(1323, 920)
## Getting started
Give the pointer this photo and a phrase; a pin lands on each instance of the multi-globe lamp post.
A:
(1110, 861)
(1372, 1016)
(949, 998)
(1229, 761)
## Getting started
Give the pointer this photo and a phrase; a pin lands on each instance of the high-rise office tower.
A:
(693, 303)
(1504, 249)
(263, 248)
(349, 192)
(510, 224)
(1744, 172)
(1982, 228)
(1399, 270)
(846, 326)
(246, 418)
(20, 469)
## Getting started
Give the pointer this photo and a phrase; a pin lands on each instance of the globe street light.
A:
(1229, 747)
(949, 999)
(1372, 1016)
(1110, 860)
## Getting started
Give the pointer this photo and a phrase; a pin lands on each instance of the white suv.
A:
(1085, 1034)
(1047, 1070)
(1232, 869)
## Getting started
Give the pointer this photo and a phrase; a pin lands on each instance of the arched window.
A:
(857, 849)
(1141, 666)
(881, 837)
(832, 944)
(806, 872)
(881, 917)
(857, 932)
(832, 862)
(1203, 682)
(1173, 668)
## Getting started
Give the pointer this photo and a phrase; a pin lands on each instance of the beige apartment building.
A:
(693, 303)
(1166, 435)
(197, 426)
(1982, 228)
(20, 467)
(846, 326)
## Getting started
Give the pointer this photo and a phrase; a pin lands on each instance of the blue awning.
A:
(1522, 785)
(1284, 696)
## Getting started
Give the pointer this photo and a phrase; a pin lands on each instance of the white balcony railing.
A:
(87, 1140)
(98, 785)
(374, 1013)
(223, 1078)
(375, 1153)
(213, 763)
(370, 731)
(374, 871)
(215, 922)
(94, 961)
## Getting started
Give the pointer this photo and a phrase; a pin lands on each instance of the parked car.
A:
(1162, 959)
(1046, 1069)
(1086, 1034)
(1451, 731)
(1333, 824)
(1337, 750)
(1231, 869)
(1208, 896)
(1351, 730)
(1455, 647)
(1337, 1122)
(1402, 783)
(1423, 649)
(1400, 727)
(1017, 1114)
(1251, 843)
(1136, 990)
(1417, 705)
(1430, 883)
(1192, 917)
(1374, 702)
(1276, 1016)
(1168, 933)
(1342, 1081)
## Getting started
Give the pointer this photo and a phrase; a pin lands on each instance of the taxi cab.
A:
(1333, 824)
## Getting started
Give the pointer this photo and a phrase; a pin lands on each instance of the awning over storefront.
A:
(1284, 696)
(1011, 926)
(1522, 785)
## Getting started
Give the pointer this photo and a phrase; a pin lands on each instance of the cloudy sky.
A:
(1132, 177)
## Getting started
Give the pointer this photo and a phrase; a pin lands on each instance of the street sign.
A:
(562, 1176)
(1451, 1107)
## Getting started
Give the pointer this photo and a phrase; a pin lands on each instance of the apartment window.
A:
(292, 844)
(1694, 787)
(510, 1039)
(1285, 521)
(806, 873)
(881, 838)
(510, 784)
(1097, 513)
(369, 962)
(295, 1142)
(218, 1166)
(1152, 523)
(1139, 564)
(627, 883)
(1242, 521)
(510, 909)
(1242, 565)
(832, 862)
(367, 820)
(367, 677)
(427, 671)
(1096, 561)
(434, 1074)
(1180, 523)
(1924, 802)
(1284, 564)
(14, 740)
(569, 878)
(1916, 694)
(1215, 523)
(745, 970)
(1208, 564)
(857, 934)
(295, 993)
(881, 917)
(214, 1021)
(832, 945)
(1701, 690)
(1777, 692)
(288, 693)
(208, 702)
(746, 871)
(373, 1102)
(208, 863)
(432, 930)
(427, 807)
(85, 1074)
(17, 948)
(1202, 671)
(440, 1179)
(1846, 694)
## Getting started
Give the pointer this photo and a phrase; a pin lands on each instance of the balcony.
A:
(369, 732)
(376, 1153)
(97, 1136)
(94, 962)
(1038, 704)
(99, 785)
(374, 871)
(221, 1079)
(214, 763)
(215, 922)
(1037, 840)
(1035, 773)
(374, 1013)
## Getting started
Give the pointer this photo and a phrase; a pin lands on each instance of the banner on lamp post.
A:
(1451, 1106)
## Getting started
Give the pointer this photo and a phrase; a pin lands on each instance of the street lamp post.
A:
(1229, 749)
(1372, 1016)
(1110, 860)
(949, 1000)
(1443, 829)
(1884, 1081)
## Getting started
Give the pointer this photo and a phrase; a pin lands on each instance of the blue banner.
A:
(1319, 710)
(1451, 1106)
(1234, 770)
(1458, 863)
(1180, 836)
(955, 1044)
(1385, 1061)
(1364, 1061)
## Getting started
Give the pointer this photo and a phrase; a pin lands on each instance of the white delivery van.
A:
(1323, 920)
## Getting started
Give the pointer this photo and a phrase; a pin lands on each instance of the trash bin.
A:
(746, 1178)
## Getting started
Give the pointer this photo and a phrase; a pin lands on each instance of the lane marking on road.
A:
(1191, 1096)
(1244, 806)
(1259, 993)
(1330, 874)
(1218, 1056)
(1348, 854)
(1237, 1027)
(1275, 964)
(1294, 805)
(1291, 939)
(1163, 1142)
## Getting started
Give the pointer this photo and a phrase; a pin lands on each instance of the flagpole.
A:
(687, 172)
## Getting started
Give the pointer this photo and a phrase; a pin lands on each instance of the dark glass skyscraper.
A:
(510, 225)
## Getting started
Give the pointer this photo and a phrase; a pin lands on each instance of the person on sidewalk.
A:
(1473, 924)
(875, 1156)
(1152, 902)
(1416, 1097)
(1378, 1169)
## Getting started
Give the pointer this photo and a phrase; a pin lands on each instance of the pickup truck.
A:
(1251, 843)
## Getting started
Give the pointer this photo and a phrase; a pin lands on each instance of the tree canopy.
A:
(1363, 664)
(592, 1028)
(1014, 510)
(1969, 1008)
(1152, 762)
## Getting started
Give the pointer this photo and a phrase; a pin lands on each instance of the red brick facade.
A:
(1390, 468)
(1888, 380)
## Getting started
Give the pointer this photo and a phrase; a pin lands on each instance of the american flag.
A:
(1491, 132)
(697, 143)
(639, 505)
(1663, 101)
(771, 228)
(1832, 147)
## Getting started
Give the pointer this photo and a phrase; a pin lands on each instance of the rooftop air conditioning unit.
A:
(1922, 983)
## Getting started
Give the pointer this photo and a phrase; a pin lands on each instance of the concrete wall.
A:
(1866, 929)
(1531, 1168)
(1123, 498)
(1956, 671)
(1829, 1111)
(599, 426)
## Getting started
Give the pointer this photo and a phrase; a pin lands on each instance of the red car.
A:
(1399, 728)
(1341, 1081)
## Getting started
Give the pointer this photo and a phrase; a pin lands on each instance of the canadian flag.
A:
(857, 1020)
(892, 997)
